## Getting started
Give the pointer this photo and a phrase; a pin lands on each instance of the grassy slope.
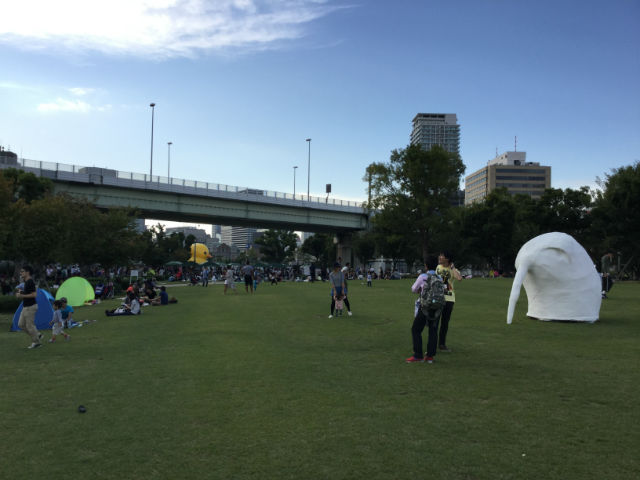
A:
(268, 387)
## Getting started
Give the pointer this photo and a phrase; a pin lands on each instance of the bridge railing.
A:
(105, 176)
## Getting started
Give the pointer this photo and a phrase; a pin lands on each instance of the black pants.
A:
(444, 323)
(606, 283)
(416, 332)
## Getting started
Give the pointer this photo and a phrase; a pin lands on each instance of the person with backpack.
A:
(428, 309)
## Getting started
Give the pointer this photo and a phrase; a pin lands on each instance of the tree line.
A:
(410, 199)
(413, 214)
(39, 227)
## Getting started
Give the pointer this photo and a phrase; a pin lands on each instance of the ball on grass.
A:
(82, 409)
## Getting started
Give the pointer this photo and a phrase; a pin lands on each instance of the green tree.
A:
(566, 211)
(26, 185)
(489, 227)
(189, 240)
(250, 254)
(616, 214)
(157, 248)
(37, 230)
(277, 245)
(411, 194)
(321, 247)
(174, 247)
(7, 214)
(364, 245)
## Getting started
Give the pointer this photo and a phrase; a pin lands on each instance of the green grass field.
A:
(267, 387)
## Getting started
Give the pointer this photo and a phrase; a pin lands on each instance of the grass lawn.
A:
(267, 387)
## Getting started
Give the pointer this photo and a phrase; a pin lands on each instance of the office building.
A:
(509, 170)
(431, 129)
(241, 237)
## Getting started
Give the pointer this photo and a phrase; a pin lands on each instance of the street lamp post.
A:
(169, 160)
(309, 170)
(294, 182)
(152, 105)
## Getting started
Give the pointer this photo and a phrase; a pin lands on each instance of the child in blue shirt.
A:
(67, 312)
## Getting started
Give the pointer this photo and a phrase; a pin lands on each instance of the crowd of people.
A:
(142, 295)
(440, 272)
(137, 295)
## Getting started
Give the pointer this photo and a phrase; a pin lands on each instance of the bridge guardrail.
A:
(105, 176)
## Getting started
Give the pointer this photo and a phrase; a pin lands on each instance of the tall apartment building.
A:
(436, 129)
(241, 237)
(509, 170)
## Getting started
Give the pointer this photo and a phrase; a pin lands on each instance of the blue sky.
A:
(240, 84)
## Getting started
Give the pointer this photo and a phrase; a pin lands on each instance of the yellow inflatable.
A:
(199, 253)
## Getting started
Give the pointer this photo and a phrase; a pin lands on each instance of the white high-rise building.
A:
(431, 129)
(241, 237)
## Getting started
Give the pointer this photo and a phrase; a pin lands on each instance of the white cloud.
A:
(17, 86)
(156, 28)
(73, 106)
(81, 92)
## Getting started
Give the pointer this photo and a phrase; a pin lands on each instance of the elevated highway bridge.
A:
(191, 201)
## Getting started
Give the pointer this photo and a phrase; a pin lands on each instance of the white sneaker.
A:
(330, 316)
(34, 345)
(350, 313)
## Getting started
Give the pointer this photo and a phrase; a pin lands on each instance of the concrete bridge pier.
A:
(343, 247)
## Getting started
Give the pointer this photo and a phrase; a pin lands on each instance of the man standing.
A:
(247, 271)
(607, 264)
(345, 272)
(29, 307)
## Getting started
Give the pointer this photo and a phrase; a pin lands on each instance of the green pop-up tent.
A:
(77, 291)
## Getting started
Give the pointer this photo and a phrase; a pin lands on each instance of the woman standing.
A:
(449, 273)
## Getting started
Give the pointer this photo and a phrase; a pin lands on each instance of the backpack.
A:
(432, 294)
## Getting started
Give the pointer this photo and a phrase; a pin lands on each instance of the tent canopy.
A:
(77, 291)
(43, 315)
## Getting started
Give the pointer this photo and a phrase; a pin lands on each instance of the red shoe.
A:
(413, 359)
(429, 359)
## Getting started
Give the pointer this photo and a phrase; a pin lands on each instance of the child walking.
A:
(339, 305)
(57, 323)
(368, 279)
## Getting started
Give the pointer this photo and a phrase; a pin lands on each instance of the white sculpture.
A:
(560, 279)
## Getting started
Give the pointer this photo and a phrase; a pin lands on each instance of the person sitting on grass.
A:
(57, 323)
(149, 295)
(130, 308)
(162, 299)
